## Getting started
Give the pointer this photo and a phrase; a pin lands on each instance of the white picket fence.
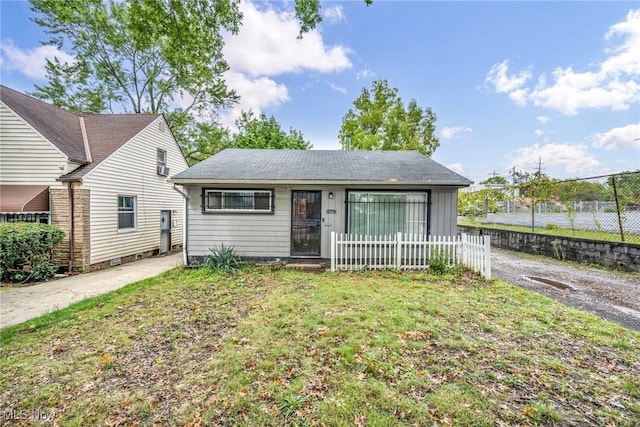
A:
(409, 252)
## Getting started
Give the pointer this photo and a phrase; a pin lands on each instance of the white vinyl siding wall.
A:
(251, 234)
(131, 171)
(26, 157)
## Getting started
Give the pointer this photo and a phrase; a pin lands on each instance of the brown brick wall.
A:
(59, 206)
(82, 241)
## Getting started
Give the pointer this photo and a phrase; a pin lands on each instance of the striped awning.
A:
(24, 198)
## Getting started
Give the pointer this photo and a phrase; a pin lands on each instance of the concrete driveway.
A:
(18, 304)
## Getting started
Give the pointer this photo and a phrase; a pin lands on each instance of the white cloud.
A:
(457, 168)
(450, 132)
(542, 119)
(255, 94)
(334, 14)
(337, 88)
(539, 132)
(365, 73)
(626, 136)
(568, 158)
(268, 44)
(30, 62)
(613, 83)
(503, 83)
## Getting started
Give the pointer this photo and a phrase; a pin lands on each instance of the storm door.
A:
(306, 213)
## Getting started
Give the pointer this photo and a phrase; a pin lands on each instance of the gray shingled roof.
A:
(238, 165)
(105, 132)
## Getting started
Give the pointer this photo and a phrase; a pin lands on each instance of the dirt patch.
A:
(612, 295)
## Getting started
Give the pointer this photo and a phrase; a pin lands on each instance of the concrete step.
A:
(317, 267)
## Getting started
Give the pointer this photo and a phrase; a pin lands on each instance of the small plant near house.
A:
(26, 251)
(438, 264)
(223, 259)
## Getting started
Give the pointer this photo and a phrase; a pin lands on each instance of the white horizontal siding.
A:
(251, 235)
(131, 171)
(26, 157)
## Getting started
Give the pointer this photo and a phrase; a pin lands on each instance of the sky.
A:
(551, 85)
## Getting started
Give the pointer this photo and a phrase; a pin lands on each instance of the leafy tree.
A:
(263, 132)
(138, 54)
(199, 140)
(575, 190)
(380, 121)
(143, 55)
(627, 187)
(495, 180)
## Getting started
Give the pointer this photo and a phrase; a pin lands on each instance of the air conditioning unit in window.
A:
(163, 170)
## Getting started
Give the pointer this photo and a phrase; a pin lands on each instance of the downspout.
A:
(71, 231)
(185, 225)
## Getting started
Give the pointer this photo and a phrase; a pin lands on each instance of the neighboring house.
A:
(284, 204)
(102, 178)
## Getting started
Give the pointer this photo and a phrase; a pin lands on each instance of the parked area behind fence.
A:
(602, 208)
(409, 252)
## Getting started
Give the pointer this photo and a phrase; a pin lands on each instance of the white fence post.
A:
(398, 249)
(333, 251)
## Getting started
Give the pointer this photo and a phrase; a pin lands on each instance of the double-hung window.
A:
(238, 201)
(126, 212)
(161, 157)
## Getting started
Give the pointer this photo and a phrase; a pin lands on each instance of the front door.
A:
(165, 231)
(306, 213)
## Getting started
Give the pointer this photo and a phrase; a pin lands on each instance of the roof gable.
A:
(409, 167)
(106, 133)
(61, 128)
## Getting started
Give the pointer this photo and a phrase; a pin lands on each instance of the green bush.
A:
(223, 259)
(438, 264)
(26, 251)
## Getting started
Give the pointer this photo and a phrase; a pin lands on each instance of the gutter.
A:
(71, 227)
(390, 182)
(185, 225)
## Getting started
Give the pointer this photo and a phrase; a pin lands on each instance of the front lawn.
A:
(290, 348)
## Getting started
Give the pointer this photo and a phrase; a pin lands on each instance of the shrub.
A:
(26, 251)
(438, 264)
(223, 259)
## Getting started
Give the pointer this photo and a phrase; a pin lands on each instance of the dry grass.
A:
(289, 348)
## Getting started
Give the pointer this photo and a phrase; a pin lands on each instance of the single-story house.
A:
(270, 204)
(102, 178)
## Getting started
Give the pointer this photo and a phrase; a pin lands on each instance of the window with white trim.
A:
(240, 201)
(126, 212)
(161, 157)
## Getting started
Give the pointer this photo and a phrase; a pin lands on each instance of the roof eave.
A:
(201, 181)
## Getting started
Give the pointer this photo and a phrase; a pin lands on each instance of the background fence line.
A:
(409, 252)
(604, 207)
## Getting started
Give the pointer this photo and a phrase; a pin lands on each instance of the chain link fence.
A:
(601, 208)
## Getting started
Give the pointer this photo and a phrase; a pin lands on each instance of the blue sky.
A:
(510, 82)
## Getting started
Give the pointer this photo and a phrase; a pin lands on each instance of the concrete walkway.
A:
(18, 304)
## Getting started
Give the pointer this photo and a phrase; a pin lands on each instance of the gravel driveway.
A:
(612, 295)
